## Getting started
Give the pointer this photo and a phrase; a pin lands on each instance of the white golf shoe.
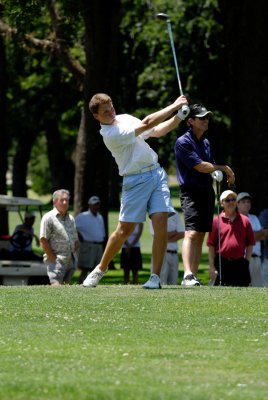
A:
(190, 280)
(93, 278)
(153, 282)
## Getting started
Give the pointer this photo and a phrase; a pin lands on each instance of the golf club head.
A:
(217, 175)
(162, 16)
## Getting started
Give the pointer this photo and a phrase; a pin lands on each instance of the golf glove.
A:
(183, 112)
(217, 175)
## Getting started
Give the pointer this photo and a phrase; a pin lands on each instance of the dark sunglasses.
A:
(229, 200)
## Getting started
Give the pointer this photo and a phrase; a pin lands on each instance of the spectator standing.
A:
(131, 258)
(236, 243)
(170, 269)
(145, 185)
(263, 217)
(91, 232)
(194, 164)
(255, 265)
(59, 239)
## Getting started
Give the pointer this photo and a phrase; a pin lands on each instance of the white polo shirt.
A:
(131, 152)
(90, 226)
(256, 226)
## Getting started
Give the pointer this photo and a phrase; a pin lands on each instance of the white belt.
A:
(145, 169)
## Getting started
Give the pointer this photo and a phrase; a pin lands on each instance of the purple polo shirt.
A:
(189, 151)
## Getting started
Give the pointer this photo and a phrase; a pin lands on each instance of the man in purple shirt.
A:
(194, 164)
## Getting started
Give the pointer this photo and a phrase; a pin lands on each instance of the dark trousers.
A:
(234, 272)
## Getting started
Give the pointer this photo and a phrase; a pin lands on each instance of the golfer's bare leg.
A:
(159, 222)
(114, 244)
(191, 251)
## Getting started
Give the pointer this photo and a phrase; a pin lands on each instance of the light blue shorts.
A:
(144, 192)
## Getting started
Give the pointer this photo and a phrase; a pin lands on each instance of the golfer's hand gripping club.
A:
(183, 112)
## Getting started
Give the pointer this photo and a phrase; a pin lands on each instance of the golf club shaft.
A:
(174, 55)
(219, 232)
(165, 17)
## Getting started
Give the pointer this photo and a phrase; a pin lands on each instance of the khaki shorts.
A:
(58, 272)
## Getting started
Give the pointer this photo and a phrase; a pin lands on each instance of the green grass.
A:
(123, 342)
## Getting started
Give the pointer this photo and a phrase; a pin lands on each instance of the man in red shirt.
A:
(236, 242)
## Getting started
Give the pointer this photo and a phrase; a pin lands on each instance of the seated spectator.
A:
(229, 257)
(255, 264)
(20, 244)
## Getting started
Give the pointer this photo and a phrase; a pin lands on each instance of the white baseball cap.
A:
(243, 195)
(227, 193)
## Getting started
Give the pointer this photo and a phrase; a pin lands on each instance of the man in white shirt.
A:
(255, 265)
(91, 231)
(145, 187)
(170, 268)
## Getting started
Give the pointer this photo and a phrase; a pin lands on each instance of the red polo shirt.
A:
(235, 236)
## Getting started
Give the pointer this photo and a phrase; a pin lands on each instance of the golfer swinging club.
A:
(145, 186)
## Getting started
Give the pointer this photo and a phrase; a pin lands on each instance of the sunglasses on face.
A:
(229, 200)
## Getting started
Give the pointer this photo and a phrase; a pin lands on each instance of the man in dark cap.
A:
(91, 231)
(194, 165)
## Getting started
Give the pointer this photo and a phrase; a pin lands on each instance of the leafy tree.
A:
(35, 82)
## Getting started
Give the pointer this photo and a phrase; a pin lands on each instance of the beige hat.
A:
(227, 193)
(29, 214)
(243, 195)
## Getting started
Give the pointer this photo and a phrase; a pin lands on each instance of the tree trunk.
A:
(3, 134)
(62, 170)
(246, 36)
(20, 163)
(92, 157)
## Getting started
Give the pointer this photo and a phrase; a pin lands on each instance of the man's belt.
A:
(145, 169)
(172, 251)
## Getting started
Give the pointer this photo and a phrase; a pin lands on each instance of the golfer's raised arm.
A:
(156, 118)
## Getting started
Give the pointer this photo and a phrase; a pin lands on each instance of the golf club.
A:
(218, 176)
(165, 17)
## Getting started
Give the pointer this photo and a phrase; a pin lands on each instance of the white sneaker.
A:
(93, 278)
(190, 280)
(153, 282)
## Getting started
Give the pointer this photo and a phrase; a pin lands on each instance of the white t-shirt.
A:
(90, 226)
(174, 224)
(256, 226)
(131, 152)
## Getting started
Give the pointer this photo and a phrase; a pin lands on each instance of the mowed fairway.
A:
(124, 342)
